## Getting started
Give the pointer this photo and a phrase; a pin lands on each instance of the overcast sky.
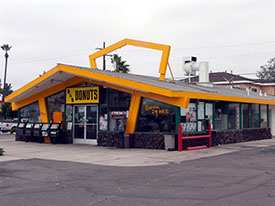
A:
(236, 35)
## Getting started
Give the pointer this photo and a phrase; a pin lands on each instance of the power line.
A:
(46, 59)
(230, 45)
(202, 47)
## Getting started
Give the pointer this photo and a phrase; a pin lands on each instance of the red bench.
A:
(181, 138)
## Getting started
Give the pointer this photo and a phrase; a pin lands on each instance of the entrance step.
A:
(197, 147)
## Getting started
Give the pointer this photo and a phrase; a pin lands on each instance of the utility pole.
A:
(104, 59)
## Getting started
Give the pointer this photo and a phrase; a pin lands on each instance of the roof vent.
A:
(190, 66)
(204, 72)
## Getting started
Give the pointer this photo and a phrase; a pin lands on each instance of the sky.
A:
(235, 35)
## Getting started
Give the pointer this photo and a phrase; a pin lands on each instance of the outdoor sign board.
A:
(82, 95)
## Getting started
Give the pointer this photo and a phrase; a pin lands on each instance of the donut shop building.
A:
(96, 106)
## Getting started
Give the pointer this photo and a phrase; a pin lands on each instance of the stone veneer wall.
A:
(148, 141)
(107, 139)
(66, 137)
(230, 137)
(156, 141)
(245, 135)
(138, 140)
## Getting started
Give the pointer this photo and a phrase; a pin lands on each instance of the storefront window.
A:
(189, 118)
(201, 116)
(234, 116)
(55, 103)
(30, 113)
(103, 118)
(221, 115)
(246, 115)
(263, 116)
(196, 116)
(255, 115)
(209, 113)
(119, 103)
(69, 116)
(156, 116)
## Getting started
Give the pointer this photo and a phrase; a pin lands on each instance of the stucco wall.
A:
(268, 90)
(272, 119)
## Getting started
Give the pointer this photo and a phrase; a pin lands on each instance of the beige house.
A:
(260, 86)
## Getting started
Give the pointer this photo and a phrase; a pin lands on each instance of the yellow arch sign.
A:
(164, 48)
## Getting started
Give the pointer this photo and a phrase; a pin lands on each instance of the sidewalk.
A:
(15, 150)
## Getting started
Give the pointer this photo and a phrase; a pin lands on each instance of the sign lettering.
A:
(155, 110)
(82, 95)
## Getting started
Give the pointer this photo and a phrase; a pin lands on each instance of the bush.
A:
(1, 151)
(13, 130)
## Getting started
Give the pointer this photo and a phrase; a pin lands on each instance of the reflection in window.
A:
(234, 116)
(246, 115)
(188, 118)
(69, 116)
(119, 103)
(30, 113)
(103, 118)
(221, 116)
(156, 116)
(255, 115)
(55, 103)
(69, 113)
(263, 116)
(209, 113)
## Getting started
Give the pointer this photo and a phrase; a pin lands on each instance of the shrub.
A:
(1, 151)
(13, 130)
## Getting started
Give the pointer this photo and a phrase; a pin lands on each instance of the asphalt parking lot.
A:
(241, 177)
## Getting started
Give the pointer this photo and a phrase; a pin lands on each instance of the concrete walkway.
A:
(15, 150)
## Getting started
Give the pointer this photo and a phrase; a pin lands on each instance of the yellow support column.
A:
(43, 110)
(133, 113)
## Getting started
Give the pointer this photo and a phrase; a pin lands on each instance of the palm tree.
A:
(120, 66)
(6, 48)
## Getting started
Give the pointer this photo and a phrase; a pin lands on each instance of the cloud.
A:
(45, 32)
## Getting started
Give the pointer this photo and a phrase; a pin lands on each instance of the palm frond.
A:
(6, 47)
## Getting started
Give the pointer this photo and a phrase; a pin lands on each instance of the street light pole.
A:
(104, 56)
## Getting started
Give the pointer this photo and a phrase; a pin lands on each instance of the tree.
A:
(8, 90)
(267, 71)
(6, 111)
(119, 65)
(6, 48)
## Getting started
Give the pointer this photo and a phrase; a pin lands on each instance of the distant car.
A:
(8, 126)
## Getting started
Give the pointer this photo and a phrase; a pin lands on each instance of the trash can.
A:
(169, 142)
(120, 140)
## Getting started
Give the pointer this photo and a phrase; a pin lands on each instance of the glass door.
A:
(85, 124)
(91, 122)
